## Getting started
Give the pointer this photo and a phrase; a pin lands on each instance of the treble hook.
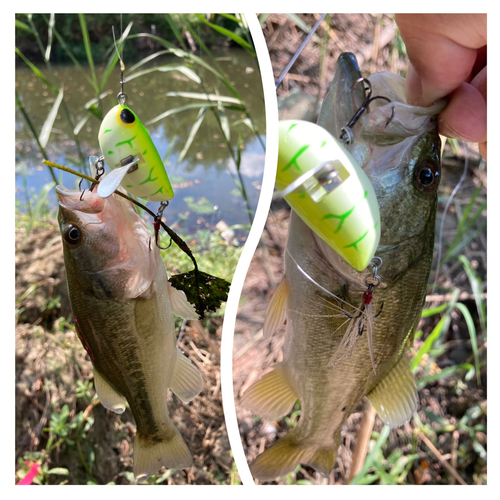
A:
(157, 224)
(346, 134)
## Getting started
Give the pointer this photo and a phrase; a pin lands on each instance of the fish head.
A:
(108, 249)
(398, 147)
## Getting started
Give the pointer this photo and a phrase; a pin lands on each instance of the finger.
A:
(479, 82)
(465, 116)
(442, 49)
(482, 150)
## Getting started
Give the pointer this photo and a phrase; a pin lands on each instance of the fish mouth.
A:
(344, 98)
(87, 201)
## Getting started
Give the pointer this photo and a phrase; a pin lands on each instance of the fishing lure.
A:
(327, 188)
(131, 155)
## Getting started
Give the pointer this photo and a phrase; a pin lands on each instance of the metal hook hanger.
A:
(156, 224)
(346, 134)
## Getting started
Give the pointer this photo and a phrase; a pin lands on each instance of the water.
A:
(205, 170)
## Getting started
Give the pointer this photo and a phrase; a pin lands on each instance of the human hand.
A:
(448, 57)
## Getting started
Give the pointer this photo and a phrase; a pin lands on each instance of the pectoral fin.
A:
(186, 381)
(180, 304)
(395, 397)
(276, 311)
(272, 396)
(109, 398)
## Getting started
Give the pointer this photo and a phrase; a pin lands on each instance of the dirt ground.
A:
(51, 365)
(445, 400)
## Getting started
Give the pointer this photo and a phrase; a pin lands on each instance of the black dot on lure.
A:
(127, 116)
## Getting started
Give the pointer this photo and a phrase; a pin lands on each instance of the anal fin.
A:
(109, 398)
(186, 381)
(276, 311)
(395, 397)
(272, 396)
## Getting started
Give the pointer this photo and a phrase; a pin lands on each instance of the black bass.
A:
(122, 304)
(335, 350)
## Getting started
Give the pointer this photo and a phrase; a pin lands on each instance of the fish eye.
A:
(427, 177)
(73, 234)
(127, 116)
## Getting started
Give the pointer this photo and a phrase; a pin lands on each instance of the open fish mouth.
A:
(87, 202)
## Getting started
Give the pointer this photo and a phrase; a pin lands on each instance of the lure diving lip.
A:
(132, 158)
(332, 194)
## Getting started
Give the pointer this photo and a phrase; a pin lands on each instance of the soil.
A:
(448, 398)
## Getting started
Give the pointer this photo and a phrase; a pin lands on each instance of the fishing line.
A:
(318, 285)
(448, 203)
(299, 50)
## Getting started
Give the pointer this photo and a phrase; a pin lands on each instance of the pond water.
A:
(205, 190)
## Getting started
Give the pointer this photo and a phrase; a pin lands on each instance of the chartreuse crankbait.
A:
(327, 188)
(132, 157)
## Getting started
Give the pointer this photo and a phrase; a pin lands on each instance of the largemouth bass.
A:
(122, 304)
(336, 351)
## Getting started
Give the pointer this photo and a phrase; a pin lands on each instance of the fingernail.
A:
(413, 89)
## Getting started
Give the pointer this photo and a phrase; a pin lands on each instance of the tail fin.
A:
(150, 455)
(288, 452)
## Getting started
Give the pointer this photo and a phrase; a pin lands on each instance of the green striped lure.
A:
(327, 188)
(132, 158)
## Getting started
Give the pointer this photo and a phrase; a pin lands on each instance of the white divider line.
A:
(261, 214)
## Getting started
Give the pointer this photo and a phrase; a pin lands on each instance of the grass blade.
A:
(41, 199)
(205, 97)
(436, 333)
(435, 310)
(370, 459)
(444, 373)
(175, 29)
(19, 104)
(49, 122)
(35, 70)
(301, 24)
(81, 123)
(180, 109)
(263, 18)
(215, 69)
(477, 289)
(149, 58)
(69, 53)
(233, 36)
(164, 69)
(22, 26)
(88, 50)
(473, 338)
(52, 21)
(192, 132)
